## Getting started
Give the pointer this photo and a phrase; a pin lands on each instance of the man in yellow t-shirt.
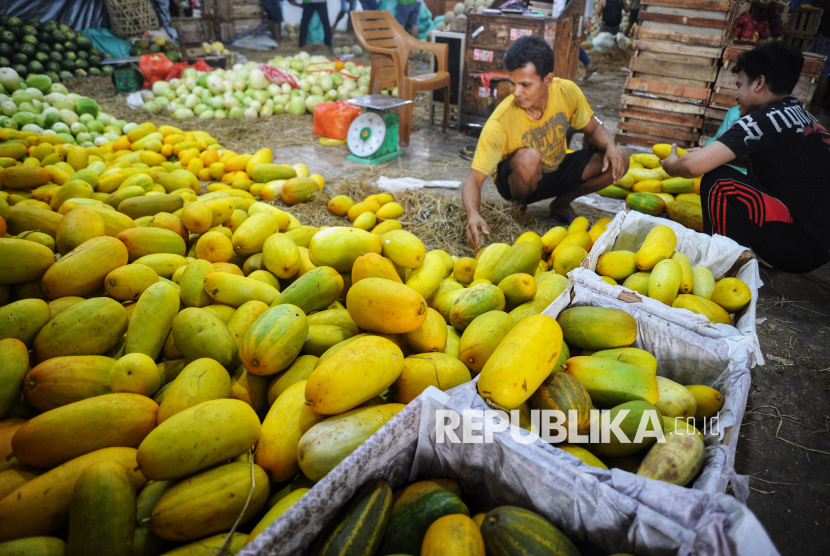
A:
(523, 144)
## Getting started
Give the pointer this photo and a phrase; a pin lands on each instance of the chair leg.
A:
(405, 126)
(446, 108)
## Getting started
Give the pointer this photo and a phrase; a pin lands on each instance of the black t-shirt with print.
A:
(789, 155)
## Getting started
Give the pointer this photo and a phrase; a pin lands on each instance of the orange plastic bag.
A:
(155, 67)
(332, 119)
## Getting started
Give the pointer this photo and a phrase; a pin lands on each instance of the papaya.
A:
(610, 382)
(687, 276)
(21, 218)
(102, 512)
(234, 291)
(355, 374)
(34, 546)
(14, 363)
(329, 442)
(579, 239)
(614, 192)
(91, 327)
(150, 205)
(298, 190)
(199, 333)
(340, 205)
(384, 306)
(550, 285)
(536, 341)
(114, 221)
(618, 265)
(23, 261)
(72, 189)
(148, 241)
(678, 185)
(584, 455)
(83, 270)
(373, 265)
(535, 307)
(281, 256)
(362, 522)
(426, 278)
(211, 545)
(489, 259)
(24, 177)
(632, 356)
(678, 460)
(197, 438)
(732, 294)
(675, 400)
(338, 317)
(568, 258)
(518, 288)
(23, 319)
(299, 370)
(313, 291)
(664, 281)
(704, 282)
(482, 337)
(562, 392)
(65, 433)
(428, 369)
(638, 282)
(639, 417)
(709, 401)
(41, 506)
(647, 203)
(648, 186)
(202, 380)
(152, 320)
(135, 373)
(403, 248)
(210, 502)
(406, 531)
(659, 244)
(128, 282)
(523, 257)
(192, 284)
(321, 337)
(64, 380)
(453, 534)
(431, 336)
(274, 340)
(597, 328)
(702, 306)
(251, 389)
(78, 225)
(243, 318)
(339, 247)
(476, 301)
(252, 233)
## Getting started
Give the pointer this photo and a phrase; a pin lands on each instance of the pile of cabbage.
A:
(245, 91)
(40, 106)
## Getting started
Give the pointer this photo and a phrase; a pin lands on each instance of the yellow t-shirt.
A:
(509, 128)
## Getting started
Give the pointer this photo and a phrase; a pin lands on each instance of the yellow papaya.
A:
(380, 305)
(597, 328)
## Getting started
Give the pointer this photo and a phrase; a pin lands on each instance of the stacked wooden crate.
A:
(677, 48)
(723, 96)
(802, 26)
(231, 19)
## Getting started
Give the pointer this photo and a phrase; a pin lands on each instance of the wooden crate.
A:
(690, 22)
(646, 121)
(804, 20)
(230, 19)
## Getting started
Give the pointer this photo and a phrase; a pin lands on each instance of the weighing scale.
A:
(373, 136)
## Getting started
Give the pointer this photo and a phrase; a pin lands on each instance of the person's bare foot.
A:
(562, 211)
(589, 71)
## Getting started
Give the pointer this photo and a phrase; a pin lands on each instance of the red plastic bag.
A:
(201, 65)
(278, 76)
(176, 71)
(155, 67)
(332, 119)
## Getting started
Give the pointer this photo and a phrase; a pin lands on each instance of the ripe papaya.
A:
(298, 190)
(64, 380)
(562, 392)
(198, 437)
(428, 369)
(152, 320)
(664, 282)
(200, 333)
(78, 225)
(535, 341)
(91, 327)
(23, 261)
(148, 241)
(659, 244)
(431, 336)
(618, 265)
(274, 340)
(83, 270)
(355, 374)
(482, 337)
(70, 431)
(610, 382)
(476, 301)
(23, 319)
(315, 290)
(233, 290)
(128, 282)
(523, 257)
(372, 265)
(286, 422)
(426, 278)
(339, 247)
(647, 203)
(597, 328)
(32, 219)
(380, 305)
(14, 362)
(403, 248)
(192, 283)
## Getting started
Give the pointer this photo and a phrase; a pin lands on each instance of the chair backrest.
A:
(380, 34)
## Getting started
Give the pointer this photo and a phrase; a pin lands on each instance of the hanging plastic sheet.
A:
(107, 42)
(78, 14)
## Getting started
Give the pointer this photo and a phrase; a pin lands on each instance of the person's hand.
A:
(617, 159)
(587, 25)
(669, 163)
(476, 223)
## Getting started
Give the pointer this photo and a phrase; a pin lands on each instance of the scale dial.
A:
(366, 135)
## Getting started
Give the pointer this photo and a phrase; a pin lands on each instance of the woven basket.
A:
(130, 18)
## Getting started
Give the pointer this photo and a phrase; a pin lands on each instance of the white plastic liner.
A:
(718, 253)
(588, 507)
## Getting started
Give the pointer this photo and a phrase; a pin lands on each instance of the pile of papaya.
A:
(376, 213)
(657, 271)
(429, 518)
(172, 359)
(648, 188)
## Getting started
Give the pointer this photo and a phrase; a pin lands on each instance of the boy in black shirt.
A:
(781, 208)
